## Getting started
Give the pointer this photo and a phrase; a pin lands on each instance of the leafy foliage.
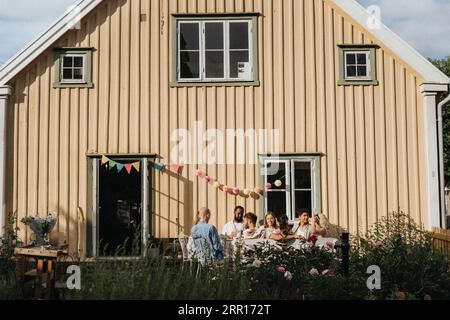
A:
(404, 252)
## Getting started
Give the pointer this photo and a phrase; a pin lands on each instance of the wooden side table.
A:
(46, 260)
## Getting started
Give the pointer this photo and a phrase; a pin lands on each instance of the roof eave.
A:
(19, 61)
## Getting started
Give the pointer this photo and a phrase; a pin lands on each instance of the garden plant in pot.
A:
(41, 227)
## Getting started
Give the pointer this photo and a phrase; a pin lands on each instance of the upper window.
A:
(357, 65)
(73, 68)
(215, 50)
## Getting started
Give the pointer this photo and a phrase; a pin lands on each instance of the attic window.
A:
(357, 65)
(73, 68)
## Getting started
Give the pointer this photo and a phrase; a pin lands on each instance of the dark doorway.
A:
(120, 214)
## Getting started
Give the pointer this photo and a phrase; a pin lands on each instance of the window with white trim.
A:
(215, 50)
(299, 189)
(357, 65)
(72, 68)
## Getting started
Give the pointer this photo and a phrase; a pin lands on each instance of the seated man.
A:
(206, 238)
(234, 228)
(251, 232)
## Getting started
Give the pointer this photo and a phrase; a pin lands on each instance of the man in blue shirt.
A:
(206, 238)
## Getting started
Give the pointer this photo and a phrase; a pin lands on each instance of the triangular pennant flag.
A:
(105, 160)
(112, 164)
(119, 167)
(128, 167)
(175, 168)
(160, 166)
(137, 166)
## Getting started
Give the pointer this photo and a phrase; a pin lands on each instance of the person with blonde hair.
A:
(270, 228)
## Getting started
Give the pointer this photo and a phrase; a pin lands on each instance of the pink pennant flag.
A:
(128, 167)
(175, 167)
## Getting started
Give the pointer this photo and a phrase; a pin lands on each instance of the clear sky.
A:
(424, 24)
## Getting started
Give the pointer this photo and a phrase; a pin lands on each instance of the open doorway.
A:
(119, 212)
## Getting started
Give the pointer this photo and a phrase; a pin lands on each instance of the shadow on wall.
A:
(182, 224)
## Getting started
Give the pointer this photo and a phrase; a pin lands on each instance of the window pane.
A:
(189, 65)
(214, 35)
(277, 174)
(67, 62)
(362, 71)
(276, 202)
(239, 64)
(351, 71)
(189, 36)
(239, 35)
(67, 74)
(78, 74)
(350, 58)
(362, 58)
(214, 64)
(78, 62)
(302, 175)
(302, 202)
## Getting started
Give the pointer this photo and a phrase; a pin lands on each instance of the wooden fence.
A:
(441, 240)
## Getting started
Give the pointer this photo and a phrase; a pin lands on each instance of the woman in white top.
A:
(303, 229)
(270, 227)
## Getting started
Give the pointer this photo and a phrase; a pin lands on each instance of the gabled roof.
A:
(24, 57)
(393, 42)
(424, 68)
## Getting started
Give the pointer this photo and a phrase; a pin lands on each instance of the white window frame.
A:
(202, 58)
(290, 184)
(61, 68)
(368, 65)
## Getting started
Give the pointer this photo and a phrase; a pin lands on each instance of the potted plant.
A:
(41, 227)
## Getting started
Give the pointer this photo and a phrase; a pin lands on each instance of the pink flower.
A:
(288, 276)
(281, 269)
(329, 245)
(312, 238)
(328, 272)
(379, 245)
(314, 272)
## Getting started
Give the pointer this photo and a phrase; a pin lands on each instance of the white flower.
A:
(288, 276)
(257, 263)
(314, 272)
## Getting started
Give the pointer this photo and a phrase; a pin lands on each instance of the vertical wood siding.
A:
(372, 137)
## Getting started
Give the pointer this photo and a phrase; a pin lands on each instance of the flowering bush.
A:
(404, 252)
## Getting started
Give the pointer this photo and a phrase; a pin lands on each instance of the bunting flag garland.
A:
(128, 167)
(175, 168)
(160, 166)
(111, 164)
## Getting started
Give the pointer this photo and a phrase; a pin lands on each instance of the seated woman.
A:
(304, 230)
(320, 225)
(270, 227)
(251, 232)
(285, 230)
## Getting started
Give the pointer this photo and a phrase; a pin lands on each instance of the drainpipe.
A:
(441, 159)
(5, 92)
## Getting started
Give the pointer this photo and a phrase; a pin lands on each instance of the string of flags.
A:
(160, 167)
(111, 164)
(246, 192)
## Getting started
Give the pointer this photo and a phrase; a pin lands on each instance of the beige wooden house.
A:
(354, 108)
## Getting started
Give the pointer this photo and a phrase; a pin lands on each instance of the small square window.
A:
(73, 68)
(358, 65)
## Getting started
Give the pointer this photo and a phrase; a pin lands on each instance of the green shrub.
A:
(404, 252)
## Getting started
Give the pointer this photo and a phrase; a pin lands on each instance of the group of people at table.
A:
(204, 236)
